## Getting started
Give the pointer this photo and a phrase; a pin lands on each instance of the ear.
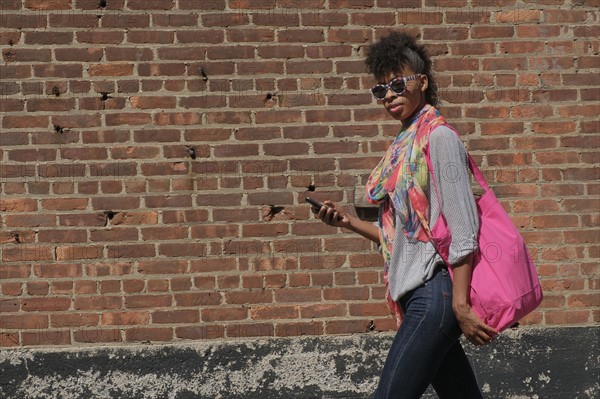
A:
(424, 82)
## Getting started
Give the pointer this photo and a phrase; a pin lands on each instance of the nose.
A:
(389, 94)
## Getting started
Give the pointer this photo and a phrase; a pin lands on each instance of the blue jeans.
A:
(426, 349)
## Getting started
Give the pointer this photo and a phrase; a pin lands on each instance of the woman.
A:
(432, 310)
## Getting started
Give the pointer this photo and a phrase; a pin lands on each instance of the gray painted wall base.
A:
(525, 363)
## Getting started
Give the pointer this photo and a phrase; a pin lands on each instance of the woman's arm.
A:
(451, 172)
(329, 215)
(365, 229)
(474, 329)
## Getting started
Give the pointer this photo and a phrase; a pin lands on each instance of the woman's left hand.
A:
(475, 330)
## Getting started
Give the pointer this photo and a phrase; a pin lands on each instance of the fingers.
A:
(476, 339)
(492, 332)
(482, 334)
(476, 331)
(328, 213)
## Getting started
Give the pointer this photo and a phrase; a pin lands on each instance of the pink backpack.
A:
(504, 286)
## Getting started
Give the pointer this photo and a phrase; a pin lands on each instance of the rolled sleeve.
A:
(457, 204)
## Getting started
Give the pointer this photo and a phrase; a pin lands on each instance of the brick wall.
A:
(155, 155)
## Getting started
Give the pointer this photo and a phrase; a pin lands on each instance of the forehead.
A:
(403, 70)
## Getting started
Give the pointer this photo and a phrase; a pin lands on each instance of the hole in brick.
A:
(203, 74)
(191, 150)
(102, 4)
(268, 96)
(104, 96)
(108, 215)
(16, 237)
(10, 42)
(59, 129)
(371, 325)
(56, 91)
(274, 210)
(311, 187)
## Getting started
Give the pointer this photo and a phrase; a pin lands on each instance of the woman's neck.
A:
(407, 122)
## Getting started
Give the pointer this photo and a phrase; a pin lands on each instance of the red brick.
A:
(24, 322)
(122, 53)
(368, 309)
(125, 20)
(570, 317)
(346, 326)
(132, 118)
(587, 31)
(73, 20)
(100, 37)
(180, 118)
(584, 300)
(274, 312)
(46, 304)
(198, 298)
(253, 4)
(148, 334)
(37, 288)
(298, 329)
(18, 205)
(305, 35)
(239, 330)
(323, 310)
(27, 253)
(113, 69)
(298, 295)
(148, 301)
(176, 317)
(97, 336)
(46, 337)
(200, 332)
(131, 251)
(150, 4)
(248, 297)
(74, 320)
(223, 314)
(47, 38)
(12, 4)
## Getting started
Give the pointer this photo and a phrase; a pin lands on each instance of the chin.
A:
(397, 116)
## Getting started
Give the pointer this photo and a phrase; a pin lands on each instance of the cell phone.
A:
(314, 203)
(317, 205)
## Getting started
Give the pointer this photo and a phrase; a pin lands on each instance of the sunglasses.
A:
(397, 85)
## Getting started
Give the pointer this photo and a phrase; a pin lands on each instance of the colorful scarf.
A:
(399, 184)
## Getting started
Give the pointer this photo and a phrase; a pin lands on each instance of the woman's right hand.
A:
(474, 329)
(331, 215)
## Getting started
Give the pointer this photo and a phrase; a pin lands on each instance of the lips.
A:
(395, 108)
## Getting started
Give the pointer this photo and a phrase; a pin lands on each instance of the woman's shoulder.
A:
(444, 133)
(444, 140)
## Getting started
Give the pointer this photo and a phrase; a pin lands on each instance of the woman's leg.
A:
(455, 378)
(429, 331)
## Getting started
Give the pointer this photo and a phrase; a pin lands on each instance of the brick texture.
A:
(154, 157)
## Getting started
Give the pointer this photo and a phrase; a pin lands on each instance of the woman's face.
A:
(403, 106)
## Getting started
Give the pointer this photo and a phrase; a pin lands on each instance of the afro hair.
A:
(397, 50)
